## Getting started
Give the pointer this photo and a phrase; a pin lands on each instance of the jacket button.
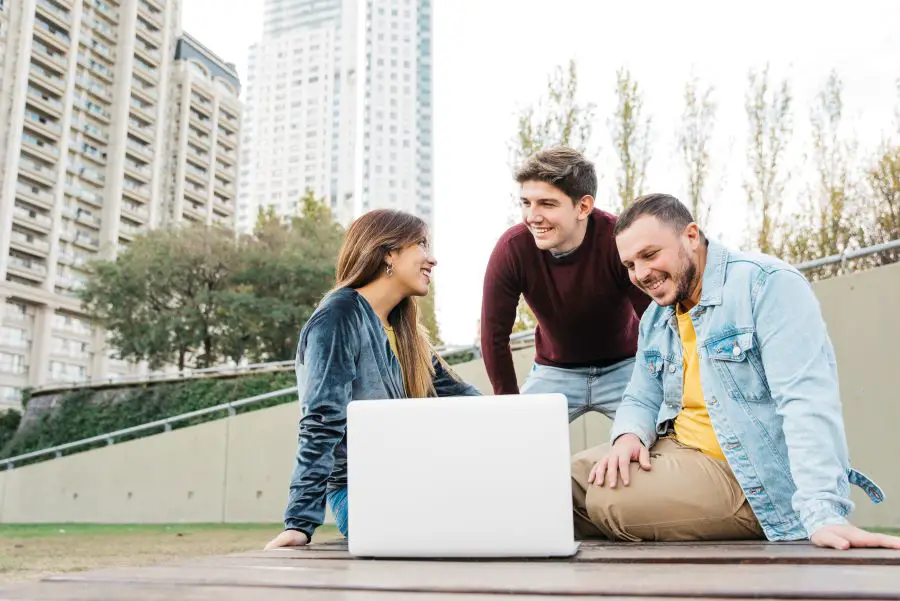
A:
(672, 368)
(736, 350)
(713, 401)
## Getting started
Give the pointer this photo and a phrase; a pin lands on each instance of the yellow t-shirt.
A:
(692, 425)
(392, 339)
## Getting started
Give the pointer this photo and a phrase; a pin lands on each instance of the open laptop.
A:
(460, 477)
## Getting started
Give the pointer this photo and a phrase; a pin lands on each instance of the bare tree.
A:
(829, 223)
(770, 129)
(698, 121)
(630, 132)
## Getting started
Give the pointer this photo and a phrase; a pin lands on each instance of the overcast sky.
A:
(492, 57)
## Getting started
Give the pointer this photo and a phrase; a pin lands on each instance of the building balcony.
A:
(144, 111)
(135, 212)
(42, 124)
(54, 37)
(141, 172)
(39, 147)
(49, 57)
(95, 89)
(147, 91)
(226, 140)
(138, 149)
(45, 77)
(54, 13)
(38, 171)
(29, 244)
(88, 219)
(92, 130)
(129, 232)
(87, 241)
(27, 268)
(139, 130)
(194, 212)
(103, 52)
(32, 219)
(101, 27)
(105, 10)
(34, 194)
(196, 174)
(203, 124)
(79, 193)
(93, 108)
(43, 101)
(134, 191)
(200, 139)
(222, 206)
(151, 12)
(149, 54)
(195, 192)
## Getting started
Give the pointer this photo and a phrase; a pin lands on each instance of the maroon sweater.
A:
(587, 309)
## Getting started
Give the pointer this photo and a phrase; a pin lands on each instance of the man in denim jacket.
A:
(731, 425)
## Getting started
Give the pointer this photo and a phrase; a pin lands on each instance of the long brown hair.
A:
(361, 260)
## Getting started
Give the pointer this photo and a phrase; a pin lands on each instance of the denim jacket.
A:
(343, 355)
(769, 378)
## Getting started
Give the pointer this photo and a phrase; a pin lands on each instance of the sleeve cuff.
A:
(823, 513)
(647, 437)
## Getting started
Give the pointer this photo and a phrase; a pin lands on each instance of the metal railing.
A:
(166, 376)
(516, 339)
(164, 424)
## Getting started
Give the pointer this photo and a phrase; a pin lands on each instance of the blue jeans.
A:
(586, 388)
(337, 500)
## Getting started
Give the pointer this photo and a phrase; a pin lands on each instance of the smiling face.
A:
(662, 261)
(556, 222)
(412, 268)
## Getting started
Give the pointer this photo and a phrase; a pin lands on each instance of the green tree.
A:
(558, 119)
(698, 121)
(159, 299)
(630, 131)
(282, 271)
(770, 128)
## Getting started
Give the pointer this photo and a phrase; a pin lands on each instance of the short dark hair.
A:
(665, 207)
(562, 167)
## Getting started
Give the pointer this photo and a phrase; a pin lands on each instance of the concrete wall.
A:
(237, 469)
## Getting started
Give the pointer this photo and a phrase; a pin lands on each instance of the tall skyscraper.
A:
(108, 116)
(339, 101)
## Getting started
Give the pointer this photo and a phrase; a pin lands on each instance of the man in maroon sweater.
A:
(563, 260)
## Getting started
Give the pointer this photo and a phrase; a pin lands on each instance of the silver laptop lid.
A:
(460, 477)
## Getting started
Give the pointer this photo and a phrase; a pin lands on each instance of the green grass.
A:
(29, 551)
(44, 530)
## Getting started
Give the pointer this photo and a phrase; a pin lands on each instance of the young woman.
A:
(364, 341)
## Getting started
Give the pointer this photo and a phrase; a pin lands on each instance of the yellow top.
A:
(692, 425)
(392, 338)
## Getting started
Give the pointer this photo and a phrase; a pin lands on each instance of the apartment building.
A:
(88, 160)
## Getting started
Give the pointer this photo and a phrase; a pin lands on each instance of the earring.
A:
(390, 270)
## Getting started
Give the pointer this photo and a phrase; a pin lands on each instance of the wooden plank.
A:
(76, 591)
(699, 553)
(550, 578)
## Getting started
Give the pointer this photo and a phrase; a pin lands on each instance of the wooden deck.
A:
(326, 572)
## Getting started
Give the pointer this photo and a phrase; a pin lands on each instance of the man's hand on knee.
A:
(626, 449)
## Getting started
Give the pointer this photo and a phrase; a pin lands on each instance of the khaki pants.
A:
(686, 496)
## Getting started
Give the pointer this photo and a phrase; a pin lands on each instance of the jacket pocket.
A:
(736, 359)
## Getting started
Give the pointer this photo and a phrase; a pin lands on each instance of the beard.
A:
(686, 278)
